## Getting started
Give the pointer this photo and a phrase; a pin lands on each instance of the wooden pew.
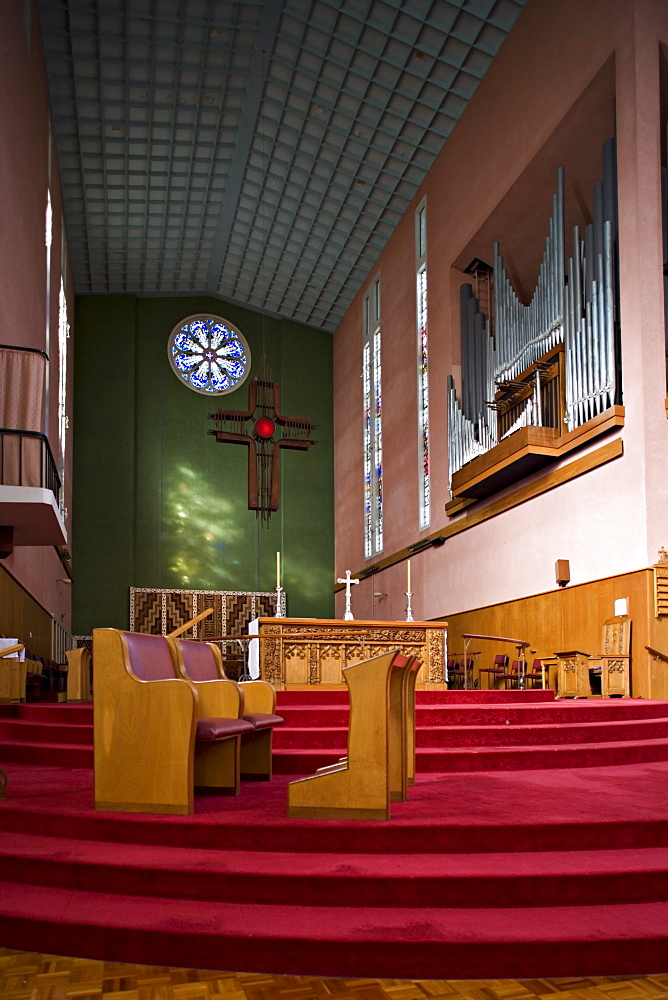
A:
(381, 753)
(78, 674)
(155, 736)
(202, 663)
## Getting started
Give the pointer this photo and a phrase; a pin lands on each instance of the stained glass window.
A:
(422, 367)
(373, 423)
(209, 354)
(368, 452)
(63, 423)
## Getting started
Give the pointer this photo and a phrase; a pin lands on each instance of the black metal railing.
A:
(26, 459)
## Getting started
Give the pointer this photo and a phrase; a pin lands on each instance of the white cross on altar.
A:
(348, 616)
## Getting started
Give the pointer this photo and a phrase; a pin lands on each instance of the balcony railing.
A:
(26, 459)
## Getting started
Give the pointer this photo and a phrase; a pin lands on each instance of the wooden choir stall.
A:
(317, 651)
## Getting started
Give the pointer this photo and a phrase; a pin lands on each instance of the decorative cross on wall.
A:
(270, 431)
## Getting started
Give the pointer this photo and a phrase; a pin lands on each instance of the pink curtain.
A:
(22, 377)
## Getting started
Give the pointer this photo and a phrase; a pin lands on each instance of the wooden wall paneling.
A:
(23, 617)
(572, 618)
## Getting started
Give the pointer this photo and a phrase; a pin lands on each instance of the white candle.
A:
(278, 569)
(408, 576)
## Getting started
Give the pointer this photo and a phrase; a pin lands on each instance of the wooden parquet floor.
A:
(25, 976)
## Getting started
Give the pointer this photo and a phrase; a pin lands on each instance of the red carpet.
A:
(486, 874)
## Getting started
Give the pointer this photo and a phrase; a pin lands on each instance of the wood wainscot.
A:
(317, 650)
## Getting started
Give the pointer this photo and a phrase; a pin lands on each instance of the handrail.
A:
(656, 654)
(25, 350)
(48, 474)
(11, 650)
(189, 624)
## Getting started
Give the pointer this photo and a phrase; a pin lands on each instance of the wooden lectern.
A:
(380, 763)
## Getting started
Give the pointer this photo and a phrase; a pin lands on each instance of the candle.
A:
(278, 569)
(408, 576)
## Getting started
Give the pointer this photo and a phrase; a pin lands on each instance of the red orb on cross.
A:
(265, 427)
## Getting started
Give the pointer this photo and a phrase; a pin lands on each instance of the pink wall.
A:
(24, 138)
(568, 73)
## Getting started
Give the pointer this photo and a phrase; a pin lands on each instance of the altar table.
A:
(316, 650)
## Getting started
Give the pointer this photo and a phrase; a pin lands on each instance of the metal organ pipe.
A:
(574, 302)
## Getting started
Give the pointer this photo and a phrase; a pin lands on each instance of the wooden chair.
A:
(155, 735)
(613, 664)
(496, 671)
(376, 769)
(202, 663)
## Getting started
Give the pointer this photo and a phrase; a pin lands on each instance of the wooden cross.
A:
(269, 433)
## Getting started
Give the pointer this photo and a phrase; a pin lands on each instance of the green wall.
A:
(157, 501)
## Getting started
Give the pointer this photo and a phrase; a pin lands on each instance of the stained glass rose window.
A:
(209, 354)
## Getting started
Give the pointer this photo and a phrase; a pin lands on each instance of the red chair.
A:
(513, 675)
(455, 675)
(497, 671)
(536, 673)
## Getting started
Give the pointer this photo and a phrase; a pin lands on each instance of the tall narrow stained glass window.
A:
(373, 423)
(63, 421)
(422, 365)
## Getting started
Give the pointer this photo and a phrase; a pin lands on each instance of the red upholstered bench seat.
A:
(222, 729)
(263, 720)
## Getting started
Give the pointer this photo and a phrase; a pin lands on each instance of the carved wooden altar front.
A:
(315, 651)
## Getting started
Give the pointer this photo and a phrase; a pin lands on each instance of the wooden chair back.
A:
(616, 639)
(200, 660)
(150, 657)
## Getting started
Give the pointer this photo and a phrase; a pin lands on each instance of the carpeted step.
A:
(56, 755)
(305, 717)
(530, 734)
(467, 759)
(26, 731)
(552, 810)
(399, 942)
(499, 736)
(536, 878)
(316, 695)
(528, 757)
(61, 712)
(478, 737)
(476, 696)
(566, 711)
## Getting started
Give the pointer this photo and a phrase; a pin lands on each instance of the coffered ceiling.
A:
(258, 151)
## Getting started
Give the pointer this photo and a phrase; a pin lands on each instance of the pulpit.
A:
(317, 650)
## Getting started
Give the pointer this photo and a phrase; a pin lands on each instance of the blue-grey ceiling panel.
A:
(259, 151)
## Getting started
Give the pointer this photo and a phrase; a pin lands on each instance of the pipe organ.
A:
(551, 363)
